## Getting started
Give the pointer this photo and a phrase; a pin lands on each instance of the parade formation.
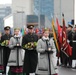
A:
(38, 37)
(38, 52)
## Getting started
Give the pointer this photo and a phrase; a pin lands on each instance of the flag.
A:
(66, 48)
(59, 32)
(22, 31)
(64, 39)
(36, 30)
(55, 36)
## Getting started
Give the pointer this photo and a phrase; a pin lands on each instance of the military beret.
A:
(30, 26)
(7, 28)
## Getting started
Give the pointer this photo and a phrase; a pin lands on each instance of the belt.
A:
(74, 40)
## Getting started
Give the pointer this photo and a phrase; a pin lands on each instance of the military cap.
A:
(70, 25)
(7, 28)
(30, 26)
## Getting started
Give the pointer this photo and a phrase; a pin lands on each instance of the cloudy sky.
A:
(5, 1)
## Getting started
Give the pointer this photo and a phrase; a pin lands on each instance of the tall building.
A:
(5, 10)
(55, 8)
(48, 8)
(23, 6)
(32, 7)
(44, 7)
(20, 10)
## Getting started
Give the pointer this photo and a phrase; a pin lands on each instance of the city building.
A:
(20, 10)
(5, 10)
(44, 7)
(48, 8)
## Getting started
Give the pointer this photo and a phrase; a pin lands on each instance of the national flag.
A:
(25, 31)
(66, 48)
(64, 38)
(22, 31)
(55, 36)
(59, 32)
(36, 30)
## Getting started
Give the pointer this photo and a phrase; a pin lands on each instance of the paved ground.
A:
(66, 71)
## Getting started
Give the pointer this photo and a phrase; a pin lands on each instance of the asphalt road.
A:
(66, 71)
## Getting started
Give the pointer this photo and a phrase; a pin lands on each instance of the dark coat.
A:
(74, 47)
(31, 56)
(69, 37)
(6, 50)
(1, 54)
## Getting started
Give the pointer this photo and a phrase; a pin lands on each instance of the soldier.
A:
(1, 55)
(31, 55)
(6, 50)
(69, 39)
(74, 50)
(69, 33)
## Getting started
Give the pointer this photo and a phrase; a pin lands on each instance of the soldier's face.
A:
(69, 28)
(7, 31)
(30, 30)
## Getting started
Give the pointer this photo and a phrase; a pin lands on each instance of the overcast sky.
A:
(5, 1)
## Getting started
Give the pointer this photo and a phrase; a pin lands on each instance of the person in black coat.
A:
(69, 39)
(31, 55)
(6, 50)
(74, 49)
(69, 34)
(1, 56)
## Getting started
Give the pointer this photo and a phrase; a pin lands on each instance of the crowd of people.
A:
(69, 61)
(34, 54)
(27, 54)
